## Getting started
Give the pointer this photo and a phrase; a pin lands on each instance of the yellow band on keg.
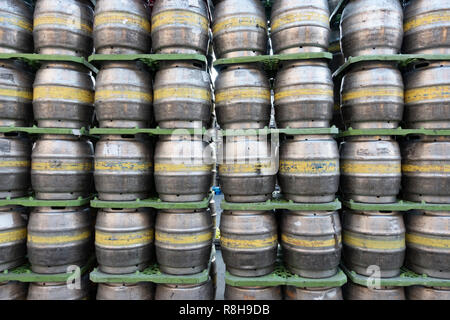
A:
(368, 93)
(122, 166)
(59, 239)
(124, 239)
(335, 47)
(63, 93)
(426, 168)
(427, 93)
(170, 167)
(61, 166)
(236, 22)
(303, 92)
(123, 94)
(426, 19)
(179, 17)
(242, 93)
(299, 16)
(17, 22)
(183, 239)
(358, 167)
(12, 236)
(309, 166)
(71, 21)
(14, 164)
(355, 240)
(122, 18)
(25, 94)
(248, 244)
(428, 241)
(182, 92)
(244, 167)
(309, 243)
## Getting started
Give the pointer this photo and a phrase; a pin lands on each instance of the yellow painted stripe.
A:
(358, 167)
(124, 239)
(180, 167)
(299, 16)
(349, 238)
(122, 165)
(25, 94)
(122, 18)
(122, 94)
(309, 166)
(26, 25)
(179, 17)
(15, 164)
(335, 47)
(303, 92)
(244, 167)
(242, 93)
(63, 93)
(236, 22)
(71, 22)
(183, 239)
(182, 92)
(309, 243)
(61, 166)
(375, 92)
(428, 93)
(426, 19)
(13, 236)
(425, 168)
(428, 241)
(58, 239)
(248, 244)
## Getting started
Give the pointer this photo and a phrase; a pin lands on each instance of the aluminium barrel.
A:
(16, 26)
(60, 290)
(13, 290)
(126, 291)
(427, 293)
(13, 237)
(353, 291)
(299, 293)
(253, 293)
(200, 292)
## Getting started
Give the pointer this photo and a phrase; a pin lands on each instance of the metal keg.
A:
(16, 94)
(248, 241)
(124, 240)
(309, 168)
(247, 168)
(200, 292)
(183, 168)
(15, 151)
(298, 293)
(183, 241)
(311, 243)
(182, 95)
(371, 27)
(60, 290)
(13, 290)
(63, 27)
(126, 291)
(304, 95)
(427, 101)
(13, 237)
(370, 169)
(242, 97)
(62, 167)
(426, 27)
(300, 26)
(428, 243)
(239, 28)
(353, 291)
(124, 95)
(372, 96)
(426, 169)
(180, 27)
(123, 167)
(59, 238)
(427, 293)
(374, 241)
(122, 27)
(253, 293)
(16, 26)
(63, 95)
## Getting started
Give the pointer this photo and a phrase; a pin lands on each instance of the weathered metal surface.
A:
(13, 237)
(118, 291)
(16, 26)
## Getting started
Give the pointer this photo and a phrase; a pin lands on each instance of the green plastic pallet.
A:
(154, 131)
(393, 132)
(282, 277)
(32, 202)
(288, 131)
(36, 130)
(24, 274)
(155, 203)
(397, 206)
(405, 279)
(282, 204)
